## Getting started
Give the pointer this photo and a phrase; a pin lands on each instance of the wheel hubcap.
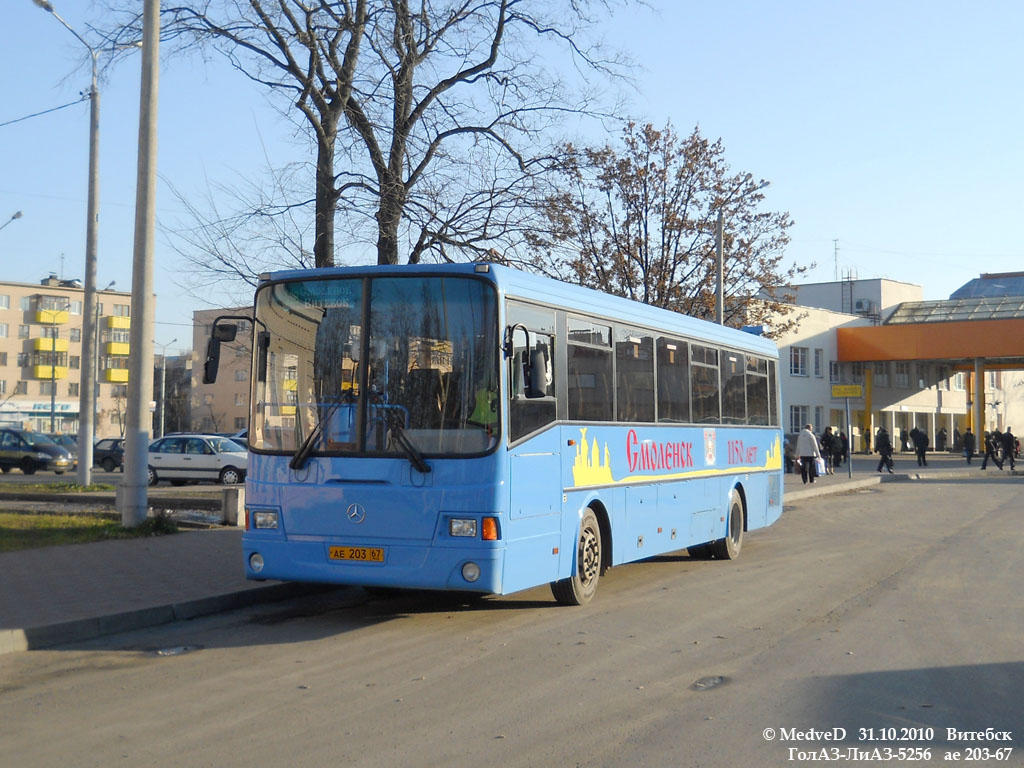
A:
(590, 555)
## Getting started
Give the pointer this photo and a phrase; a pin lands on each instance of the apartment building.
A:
(41, 365)
(224, 405)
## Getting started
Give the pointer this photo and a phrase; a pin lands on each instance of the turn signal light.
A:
(489, 529)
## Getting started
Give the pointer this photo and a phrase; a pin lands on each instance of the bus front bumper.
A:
(411, 566)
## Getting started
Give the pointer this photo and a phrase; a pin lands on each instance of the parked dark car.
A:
(30, 452)
(109, 454)
(68, 443)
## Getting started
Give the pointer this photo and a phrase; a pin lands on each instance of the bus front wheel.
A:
(729, 547)
(579, 588)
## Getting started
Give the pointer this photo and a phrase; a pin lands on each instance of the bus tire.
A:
(699, 552)
(579, 588)
(729, 547)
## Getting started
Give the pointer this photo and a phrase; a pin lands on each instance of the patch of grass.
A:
(52, 487)
(31, 530)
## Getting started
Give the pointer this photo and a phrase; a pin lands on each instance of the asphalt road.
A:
(895, 607)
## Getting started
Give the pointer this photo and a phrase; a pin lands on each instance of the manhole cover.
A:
(707, 683)
(178, 650)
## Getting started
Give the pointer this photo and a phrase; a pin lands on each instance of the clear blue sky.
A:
(893, 128)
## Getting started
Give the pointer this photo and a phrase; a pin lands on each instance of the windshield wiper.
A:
(414, 456)
(300, 456)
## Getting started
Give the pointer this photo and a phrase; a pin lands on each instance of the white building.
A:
(899, 395)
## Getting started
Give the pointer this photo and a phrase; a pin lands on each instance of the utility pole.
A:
(133, 501)
(720, 252)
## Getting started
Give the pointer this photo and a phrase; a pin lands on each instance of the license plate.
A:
(358, 554)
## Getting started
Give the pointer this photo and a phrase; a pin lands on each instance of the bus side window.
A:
(532, 374)
(533, 403)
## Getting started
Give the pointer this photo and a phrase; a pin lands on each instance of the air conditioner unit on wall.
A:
(861, 305)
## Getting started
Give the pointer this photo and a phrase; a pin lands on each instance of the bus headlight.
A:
(256, 562)
(471, 572)
(264, 519)
(459, 526)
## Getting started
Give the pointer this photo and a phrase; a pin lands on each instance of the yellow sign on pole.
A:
(847, 390)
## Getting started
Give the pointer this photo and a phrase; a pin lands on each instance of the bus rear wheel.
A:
(579, 588)
(729, 547)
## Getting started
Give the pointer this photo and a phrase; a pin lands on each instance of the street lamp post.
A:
(720, 253)
(90, 350)
(163, 383)
(53, 362)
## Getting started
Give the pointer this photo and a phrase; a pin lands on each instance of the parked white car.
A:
(181, 458)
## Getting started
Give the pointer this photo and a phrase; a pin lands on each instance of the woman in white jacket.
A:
(807, 449)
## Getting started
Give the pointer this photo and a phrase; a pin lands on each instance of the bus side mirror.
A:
(224, 332)
(212, 362)
(538, 375)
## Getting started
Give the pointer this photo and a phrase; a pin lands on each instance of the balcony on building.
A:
(44, 344)
(116, 375)
(52, 316)
(49, 372)
(118, 323)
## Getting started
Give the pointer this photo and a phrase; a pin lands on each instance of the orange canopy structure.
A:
(1000, 342)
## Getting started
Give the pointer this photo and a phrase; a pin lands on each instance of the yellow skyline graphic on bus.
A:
(590, 467)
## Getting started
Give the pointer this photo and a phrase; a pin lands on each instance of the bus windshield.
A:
(398, 366)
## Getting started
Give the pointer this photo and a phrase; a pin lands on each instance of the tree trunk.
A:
(389, 216)
(326, 202)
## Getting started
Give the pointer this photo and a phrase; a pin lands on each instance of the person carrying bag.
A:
(809, 453)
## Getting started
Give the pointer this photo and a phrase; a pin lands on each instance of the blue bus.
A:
(475, 428)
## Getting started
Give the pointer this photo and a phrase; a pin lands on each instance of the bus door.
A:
(534, 458)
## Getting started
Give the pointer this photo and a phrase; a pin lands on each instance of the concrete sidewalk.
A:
(58, 595)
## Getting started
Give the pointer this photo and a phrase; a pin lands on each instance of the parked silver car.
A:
(184, 458)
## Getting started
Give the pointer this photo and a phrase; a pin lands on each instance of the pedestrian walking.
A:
(837, 450)
(993, 442)
(846, 445)
(957, 440)
(940, 440)
(807, 450)
(905, 440)
(968, 445)
(1009, 447)
(883, 445)
(920, 438)
(826, 445)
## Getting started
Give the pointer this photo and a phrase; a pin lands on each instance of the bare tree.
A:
(428, 117)
(639, 222)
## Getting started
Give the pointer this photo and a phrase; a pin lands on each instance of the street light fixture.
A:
(163, 382)
(720, 248)
(16, 215)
